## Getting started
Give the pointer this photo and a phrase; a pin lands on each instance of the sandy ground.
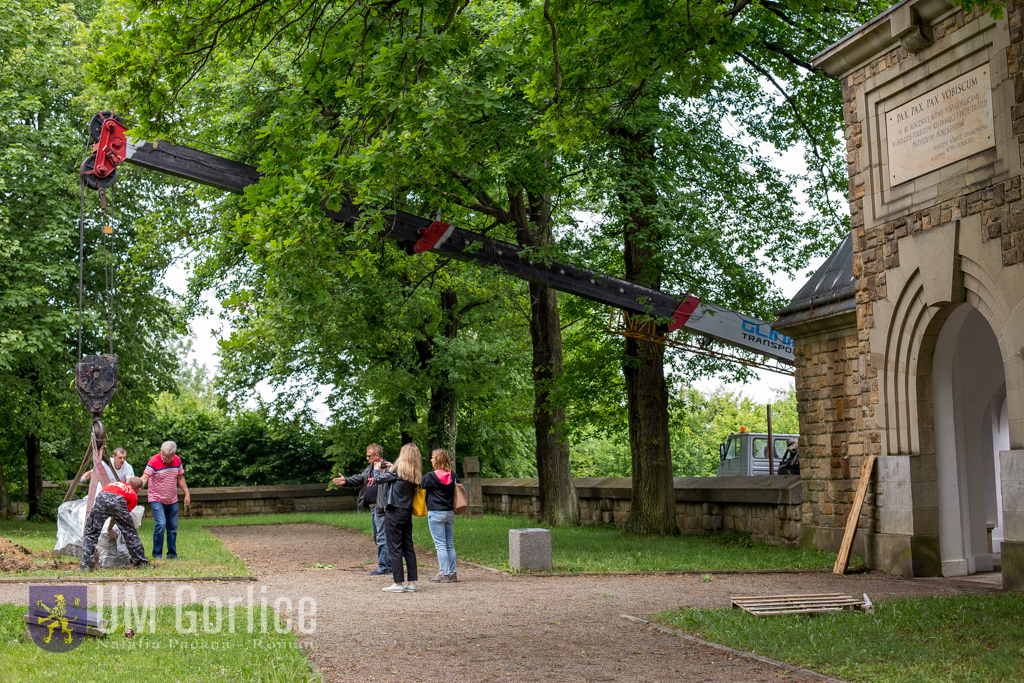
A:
(490, 626)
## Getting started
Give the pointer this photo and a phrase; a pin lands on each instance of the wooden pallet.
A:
(770, 605)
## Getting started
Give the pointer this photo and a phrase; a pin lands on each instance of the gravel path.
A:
(496, 627)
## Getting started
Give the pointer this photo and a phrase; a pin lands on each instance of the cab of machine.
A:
(745, 454)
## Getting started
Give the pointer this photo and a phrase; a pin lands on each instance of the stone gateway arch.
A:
(909, 340)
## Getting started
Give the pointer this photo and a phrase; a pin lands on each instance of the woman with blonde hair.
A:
(397, 486)
(440, 486)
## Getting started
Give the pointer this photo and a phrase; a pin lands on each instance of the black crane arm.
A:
(421, 234)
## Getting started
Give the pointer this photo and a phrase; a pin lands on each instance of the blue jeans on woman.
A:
(165, 516)
(442, 523)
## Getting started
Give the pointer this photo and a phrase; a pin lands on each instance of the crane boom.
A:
(420, 234)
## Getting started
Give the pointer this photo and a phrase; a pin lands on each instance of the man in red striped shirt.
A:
(164, 474)
(115, 501)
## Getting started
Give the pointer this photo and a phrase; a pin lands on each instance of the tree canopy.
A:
(640, 139)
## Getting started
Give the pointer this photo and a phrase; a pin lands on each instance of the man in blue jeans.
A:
(368, 497)
(164, 474)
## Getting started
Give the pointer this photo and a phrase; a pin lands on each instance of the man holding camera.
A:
(367, 480)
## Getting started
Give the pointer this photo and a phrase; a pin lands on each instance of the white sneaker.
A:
(394, 588)
(410, 588)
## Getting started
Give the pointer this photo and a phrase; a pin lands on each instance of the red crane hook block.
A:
(109, 150)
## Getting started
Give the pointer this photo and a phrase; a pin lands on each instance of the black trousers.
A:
(398, 529)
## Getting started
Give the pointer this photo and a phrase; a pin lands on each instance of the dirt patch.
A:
(15, 557)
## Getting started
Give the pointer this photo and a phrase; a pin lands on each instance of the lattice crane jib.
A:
(760, 346)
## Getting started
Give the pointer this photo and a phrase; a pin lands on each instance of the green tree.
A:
(42, 140)
(645, 87)
(247, 447)
(518, 113)
(698, 423)
(408, 102)
(413, 349)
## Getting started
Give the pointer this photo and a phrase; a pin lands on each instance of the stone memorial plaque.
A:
(946, 124)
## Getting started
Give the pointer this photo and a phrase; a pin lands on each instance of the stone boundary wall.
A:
(227, 501)
(767, 507)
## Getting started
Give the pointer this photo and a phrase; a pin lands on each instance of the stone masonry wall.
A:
(227, 501)
(262, 500)
(770, 514)
(829, 389)
(266, 506)
(768, 522)
(855, 399)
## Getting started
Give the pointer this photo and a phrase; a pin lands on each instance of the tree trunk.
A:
(653, 508)
(559, 503)
(34, 454)
(404, 428)
(6, 512)
(441, 420)
(558, 500)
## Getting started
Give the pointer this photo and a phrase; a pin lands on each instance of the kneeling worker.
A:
(115, 501)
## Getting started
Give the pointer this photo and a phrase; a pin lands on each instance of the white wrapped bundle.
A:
(71, 524)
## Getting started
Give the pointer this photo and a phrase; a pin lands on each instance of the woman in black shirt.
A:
(396, 487)
(440, 486)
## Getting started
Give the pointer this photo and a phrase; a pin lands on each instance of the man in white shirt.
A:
(121, 466)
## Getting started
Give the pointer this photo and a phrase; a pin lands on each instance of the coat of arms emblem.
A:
(57, 616)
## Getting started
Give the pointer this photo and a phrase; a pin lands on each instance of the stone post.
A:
(529, 550)
(471, 480)
(1011, 465)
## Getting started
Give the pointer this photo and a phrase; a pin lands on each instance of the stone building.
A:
(910, 338)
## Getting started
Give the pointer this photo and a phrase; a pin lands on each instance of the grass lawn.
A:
(482, 540)
(162, 656)
(963, 638)
(202, 554)
(584, 549)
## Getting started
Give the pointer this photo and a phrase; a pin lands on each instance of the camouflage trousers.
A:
(114, 506)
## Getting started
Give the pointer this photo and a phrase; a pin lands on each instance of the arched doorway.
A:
(970, 427)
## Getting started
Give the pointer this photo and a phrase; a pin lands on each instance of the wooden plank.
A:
(754, 604)
(801, 603)
(808, 595)
(809, 598)
(773, 601)
(843, 561)
(799, 608)
(75, 614)
(798, 611)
